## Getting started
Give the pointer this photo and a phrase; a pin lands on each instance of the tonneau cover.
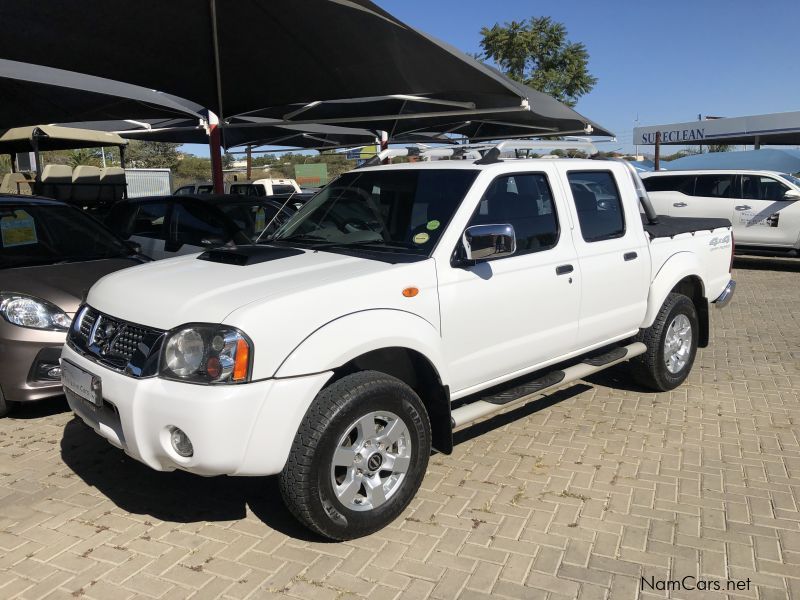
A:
(672, 226)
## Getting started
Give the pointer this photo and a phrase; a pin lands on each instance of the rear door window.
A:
(598, 204)
(150, 220)
(714, 186)
(198, 225)
(670, 183)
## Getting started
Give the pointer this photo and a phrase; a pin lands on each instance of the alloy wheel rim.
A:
(371, 461)
(678, 344)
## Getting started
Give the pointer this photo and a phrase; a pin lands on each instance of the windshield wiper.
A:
(381, 244)
(300, 237)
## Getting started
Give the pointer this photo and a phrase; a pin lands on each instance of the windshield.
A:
(791, 179)
(47, 234)
(404, 210)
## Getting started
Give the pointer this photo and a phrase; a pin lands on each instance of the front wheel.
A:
(6, 406)
(359, 456)
(671, 345)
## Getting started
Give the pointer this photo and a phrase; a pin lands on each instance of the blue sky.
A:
(663, 61)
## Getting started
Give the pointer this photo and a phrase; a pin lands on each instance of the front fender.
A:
(350, 336)
(675, 268)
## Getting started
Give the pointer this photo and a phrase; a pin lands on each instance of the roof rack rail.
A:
(493, 155)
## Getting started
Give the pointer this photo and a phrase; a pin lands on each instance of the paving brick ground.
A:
(576, 496)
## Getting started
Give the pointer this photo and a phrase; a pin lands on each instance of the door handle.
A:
(630, 255)
(564, 269)
(742, 207)
(679, 204)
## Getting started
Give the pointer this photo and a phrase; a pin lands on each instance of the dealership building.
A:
(755, 130)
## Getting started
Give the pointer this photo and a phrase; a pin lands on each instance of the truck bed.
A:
(672, 226)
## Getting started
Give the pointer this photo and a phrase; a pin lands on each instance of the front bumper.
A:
(726, 295)
(23, 352)
(245, 429)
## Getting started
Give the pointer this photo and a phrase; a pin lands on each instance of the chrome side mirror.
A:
(486, 242)
(791, 195)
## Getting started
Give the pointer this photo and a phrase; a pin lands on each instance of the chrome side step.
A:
(495, 402)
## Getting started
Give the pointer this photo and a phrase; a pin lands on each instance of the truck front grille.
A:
(126, 347)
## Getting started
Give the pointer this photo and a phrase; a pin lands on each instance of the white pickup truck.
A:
(402, 302)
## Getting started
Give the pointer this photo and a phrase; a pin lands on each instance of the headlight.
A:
(29, 311)
(201, 353)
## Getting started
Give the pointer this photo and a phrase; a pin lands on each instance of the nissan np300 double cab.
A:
(333, 354)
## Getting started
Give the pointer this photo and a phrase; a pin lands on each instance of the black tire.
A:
(650, 369)
(306, 481)
(6, 406)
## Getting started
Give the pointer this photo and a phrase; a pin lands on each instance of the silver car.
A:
(50, 255)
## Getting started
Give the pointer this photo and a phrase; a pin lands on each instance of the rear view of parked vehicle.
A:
(168, 226)
(50, 255)
(763, 206)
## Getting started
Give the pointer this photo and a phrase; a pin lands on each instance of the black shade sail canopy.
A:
(235, 57)
(32, 95)
(537, 115)
(188, 131)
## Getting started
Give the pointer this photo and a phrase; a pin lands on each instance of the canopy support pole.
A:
(657, 159)
(249, 162)
(384, 145)
(37, 157)
(757, 144)
(215, 150)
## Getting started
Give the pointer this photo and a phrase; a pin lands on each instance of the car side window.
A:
(714, 186)
(150, 221)
(670, 183)
(197, 225)
(598, 204)
(524, 201)
(758, 187)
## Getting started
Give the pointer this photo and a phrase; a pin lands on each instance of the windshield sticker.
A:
(421, 238)
(433, 225)
(18, 230)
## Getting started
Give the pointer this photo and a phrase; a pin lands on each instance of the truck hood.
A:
(168, 293)
(64, 285)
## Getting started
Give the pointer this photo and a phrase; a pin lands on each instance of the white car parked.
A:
(764, 206)
(332, 355)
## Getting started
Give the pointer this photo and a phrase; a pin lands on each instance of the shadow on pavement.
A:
(759, 263)
(40, 408)
(176, 496)
(534, 406)
(618, 377)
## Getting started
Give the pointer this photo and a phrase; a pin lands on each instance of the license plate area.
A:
(83, 384)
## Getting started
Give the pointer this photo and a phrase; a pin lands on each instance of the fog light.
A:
(54, 373)
(181, 443)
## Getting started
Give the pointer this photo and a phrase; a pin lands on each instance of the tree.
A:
(193, 169)
(228, 160)
(84, 156)
(720, 147)
(154, 155)
(536, 52)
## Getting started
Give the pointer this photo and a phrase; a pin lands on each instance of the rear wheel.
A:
(359, 456)
(671, 345)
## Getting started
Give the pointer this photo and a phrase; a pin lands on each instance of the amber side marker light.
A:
(410, 292)
(242, 360)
